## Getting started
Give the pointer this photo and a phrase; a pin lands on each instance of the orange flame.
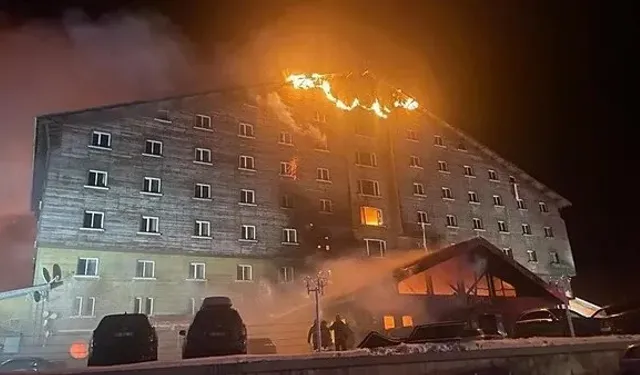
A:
(322, 82)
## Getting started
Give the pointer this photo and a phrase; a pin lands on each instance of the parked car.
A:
(121, 339)
(622, 318)
(29, 364)
(217, 329)
(630, 361)
(553, 322)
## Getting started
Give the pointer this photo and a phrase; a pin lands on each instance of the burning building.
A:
(151, 206)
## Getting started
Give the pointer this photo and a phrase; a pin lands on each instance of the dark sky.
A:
(546, 84)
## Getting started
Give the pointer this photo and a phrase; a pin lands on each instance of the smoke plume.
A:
(274, 103)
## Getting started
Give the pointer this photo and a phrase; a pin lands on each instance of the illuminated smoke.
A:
(282, 112)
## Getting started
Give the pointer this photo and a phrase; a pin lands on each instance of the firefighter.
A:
(341, 332)
(325, 336)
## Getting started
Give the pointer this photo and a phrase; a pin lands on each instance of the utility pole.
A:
(316, 284)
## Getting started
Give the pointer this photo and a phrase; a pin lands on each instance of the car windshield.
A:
(18, 364)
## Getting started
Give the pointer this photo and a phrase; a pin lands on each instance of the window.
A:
(473, 197)
(151, 185)
(247, 196)
(162, 116)
(554, 257)
(286, 169)
(462, 146)
(285, 138)
(367, 159)
(414, 161)
(375, 248)
(508, 252)
(202, 122)
(203, 191)
(246, 162)
(87, 267)
(145, 269)
(443, 166)
(202, 228)
(93, 220)
(548, 232)
(446, 193)
(422, 217)
(369, 187)
(365, 129)
(84, 307)
(526, 229)
(248, 233)
(143, 305)
(286, 274)
(149, 224)
(543, 207)
(196, 271)
(533, 257)
(371, 216)
(286, 201)
(502, 226)
(418, 189)
(100, 139)
(497, 201)
(203, 155)
(320, 117)
(389, 322)
(326, 205)
(468, 171)
(244, 273)
(97, 179)
(412, 135)
(289, 235)
(452, 221)
(477, 224)
(322, 174)
(512, 180)
(322, 144)
(407, 321)
(153, 148)
(437, 140)
(493, 176)
(521, 205)
(245, 130)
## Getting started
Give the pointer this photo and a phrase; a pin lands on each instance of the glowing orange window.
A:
(407, 321)
(371, 216)
(389, 322)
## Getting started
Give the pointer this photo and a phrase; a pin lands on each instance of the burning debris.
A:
(322, 82)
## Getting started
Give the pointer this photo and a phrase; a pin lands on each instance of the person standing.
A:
(341, 333)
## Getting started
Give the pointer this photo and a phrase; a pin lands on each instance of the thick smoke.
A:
(275, 105)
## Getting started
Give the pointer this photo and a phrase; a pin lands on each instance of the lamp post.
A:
(424, 236)
(316, 284)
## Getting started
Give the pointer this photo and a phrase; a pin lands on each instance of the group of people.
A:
(343, 335)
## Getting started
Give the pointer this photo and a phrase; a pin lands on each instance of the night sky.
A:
(548, 85)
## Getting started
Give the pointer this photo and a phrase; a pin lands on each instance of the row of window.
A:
(477, 224)
(532, 255)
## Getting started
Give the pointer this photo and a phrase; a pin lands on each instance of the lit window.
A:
(286, 274)
(497, 201)
(203, 191)
(548, 232)
(322, 174)
(289, 235)
(247, 196)
(97, 179)
(477, 224)
(452, 221)
(521, 204)
(543, 207)
(202, 155)
(533, 257)
(245, 130)
(87, 267)
(326, 205)
(100, 140)
(443, 166)
(93, 220)
(493, 176)
(286, 169)
(389, 322)
(145, 269)
(418, 189)
(407, 321)
(367, 159)
(422, 217)
(375, 248)
(446, 193)
(197, 271)
(414, 161)
(248, 233)
(152, 148)
(468, 171)
(508, 252)
(371, 216)
(412, 135)
(202, 122)
(369, 187)
(285, 138)
(202, 228)
(151, 185)
(526, 229)
(244, 272)
(473, 197)
(502, 226)
(554, 257)
(149, 224)
(143, 305)
(246, 162)
(437, 140)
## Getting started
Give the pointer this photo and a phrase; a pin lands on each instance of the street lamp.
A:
(316, 284)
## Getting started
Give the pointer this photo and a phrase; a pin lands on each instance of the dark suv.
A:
(217, 329)
(121, 339)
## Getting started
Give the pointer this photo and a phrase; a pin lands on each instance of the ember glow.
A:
(322, 82)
